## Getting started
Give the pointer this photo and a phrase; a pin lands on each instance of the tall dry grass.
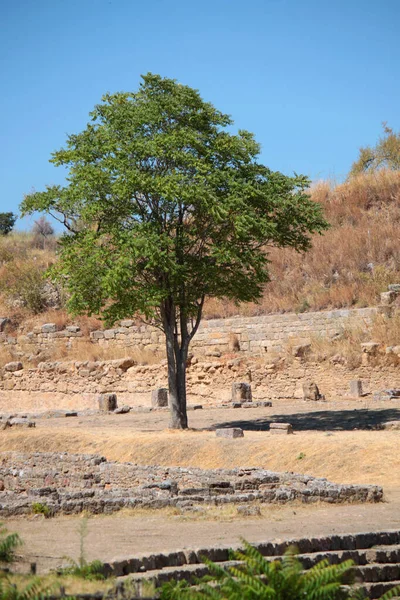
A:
(348, 266)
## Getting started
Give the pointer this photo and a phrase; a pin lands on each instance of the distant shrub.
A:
(7, 222)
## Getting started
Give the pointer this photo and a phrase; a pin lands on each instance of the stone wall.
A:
(77, 384)
(71, 483)
(254, 335)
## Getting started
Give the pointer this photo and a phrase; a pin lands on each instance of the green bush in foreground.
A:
(256, 578)
(9, 542)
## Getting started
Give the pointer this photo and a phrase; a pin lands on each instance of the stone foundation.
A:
(71, 483)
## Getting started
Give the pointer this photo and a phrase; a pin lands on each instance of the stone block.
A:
(97, 335)
(107, 402)
(194, 407)
(109, 334)
(387, 298)
(391, 425)
(49, 328)
(13, 366)
(229, 432)
(281, 428)
(301, 350)
(127, 323)
(311, 392)
(159, 398)
(241, 392)
(249, 510)
(370, 348)
(356, 388)
(22, 423)
(122, 410)
(73, 328)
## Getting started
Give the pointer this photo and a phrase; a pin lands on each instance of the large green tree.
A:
(164, 206)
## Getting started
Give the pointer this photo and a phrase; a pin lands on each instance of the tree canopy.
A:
(165, 206)
(7, 222)
(385, 154)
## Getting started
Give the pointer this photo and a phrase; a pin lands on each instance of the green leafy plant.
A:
(38, 508)
(7, 222)
(254, 577)
(385, 153)
(165, 207)
(90, 571)
(34, 590)
(300, 456)
(9, 542)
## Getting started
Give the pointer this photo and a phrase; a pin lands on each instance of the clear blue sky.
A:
(313, 79)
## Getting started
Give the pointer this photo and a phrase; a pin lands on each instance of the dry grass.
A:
(348, 266)
(345, 457)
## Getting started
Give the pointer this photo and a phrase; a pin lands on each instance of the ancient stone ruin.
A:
(72, 483)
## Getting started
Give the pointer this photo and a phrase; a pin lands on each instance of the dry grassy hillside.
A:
(349, 266)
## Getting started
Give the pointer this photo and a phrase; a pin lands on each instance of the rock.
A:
(97, 335)
(3, 322)
(159, 398)
(311, 392)
(23, 423)
(122, 410)
(387, 298)
(107, 402)
(4, 424)
(241, 392)
(109, 334)
(391, 394)
(73, 328)
(141, 409)
(229, 432)
(281, 428)
(249, 510)
(394, 287)
(13, 366)
(194, 407)
(127, 323)
(123, 363)
(301, 350)
(71, 413)
(391, 425)
(370, 348)
(49, 328)
(356, 388)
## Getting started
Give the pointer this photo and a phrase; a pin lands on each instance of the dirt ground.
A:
(337, 440)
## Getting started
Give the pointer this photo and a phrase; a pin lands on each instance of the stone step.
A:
(377, 589)
(377, 573)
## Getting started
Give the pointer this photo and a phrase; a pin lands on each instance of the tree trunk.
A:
(176, 358)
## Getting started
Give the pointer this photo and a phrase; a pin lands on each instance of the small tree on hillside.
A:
(385, 154)
(42, 229)
(7, 222)
(172, 208)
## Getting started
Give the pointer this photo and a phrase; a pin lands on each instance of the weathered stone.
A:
(49, 328)
(229, 432)
(281, 428)
(70, 413)
(107, 402)
(356, 388)
(13, 366)
(25, 423)
(3, 322)
(97, 335)
(301, 350)
(109, 334)
(73, 328)
(194, 407)
(394, 287)
(311, 392)
(387, 298)
(122, 410)
(391, 425)
(159, 398)
(241, 392)
(370, 348)
(249, 510)
(389, 394)
(127, 323)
